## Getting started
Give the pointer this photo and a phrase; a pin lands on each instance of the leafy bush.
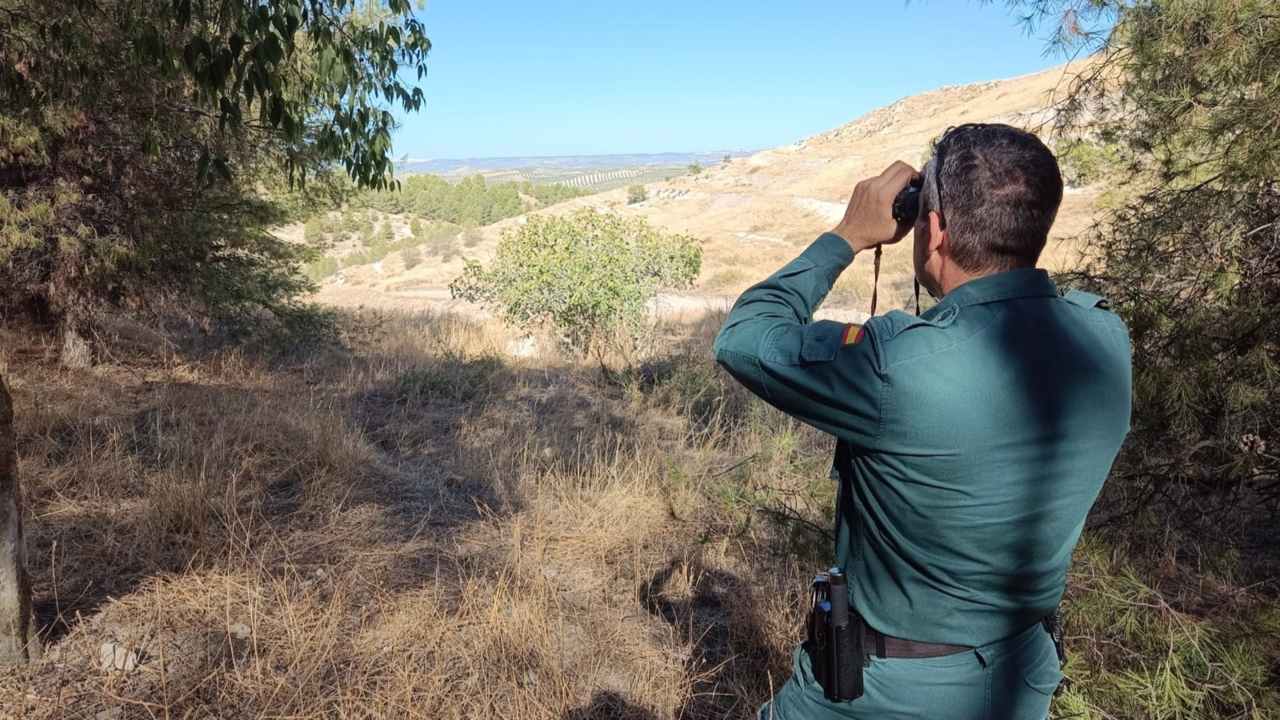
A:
(694, 168)
(637, 194)
(313, 232)
(322, 268)
(367, 256)
(351, 222)
(589, 275)
(1085, 161)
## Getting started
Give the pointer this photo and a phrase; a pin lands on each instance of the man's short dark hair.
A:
(1001, 188)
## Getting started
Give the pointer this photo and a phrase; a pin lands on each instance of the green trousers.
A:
(1012, 679)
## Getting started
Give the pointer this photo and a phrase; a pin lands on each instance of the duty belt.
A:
(886, 646)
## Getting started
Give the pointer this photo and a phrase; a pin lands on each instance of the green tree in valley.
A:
(589, 275)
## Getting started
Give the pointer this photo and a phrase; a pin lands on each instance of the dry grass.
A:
(416, 527)
(423, 527)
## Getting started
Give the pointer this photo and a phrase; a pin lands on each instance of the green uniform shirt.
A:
(971, 441)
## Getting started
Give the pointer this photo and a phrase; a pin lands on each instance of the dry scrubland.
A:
(419, 526)
(415, 528)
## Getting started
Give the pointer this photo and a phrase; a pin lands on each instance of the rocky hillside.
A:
(757, 212)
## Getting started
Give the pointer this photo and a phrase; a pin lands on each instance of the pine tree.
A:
(1188, 92)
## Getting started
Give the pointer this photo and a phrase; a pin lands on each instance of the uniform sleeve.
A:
(825, 374)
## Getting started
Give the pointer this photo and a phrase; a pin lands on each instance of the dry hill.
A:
(758, 212)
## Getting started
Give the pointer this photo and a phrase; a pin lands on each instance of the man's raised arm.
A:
(826, 373)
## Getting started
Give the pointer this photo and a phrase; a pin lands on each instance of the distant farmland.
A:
(592, 180)
(602, 179)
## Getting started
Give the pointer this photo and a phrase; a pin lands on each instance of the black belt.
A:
(886, 646)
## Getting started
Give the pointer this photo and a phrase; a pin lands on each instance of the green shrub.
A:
(321, 268)
(451, 377)
(589, 275)
(367, 256)
(1085, 161)
(313, 231)
(351, 222)
(471, 237)
(637, 194)
(694, 168)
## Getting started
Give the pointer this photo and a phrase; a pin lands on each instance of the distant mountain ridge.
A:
(564, 162)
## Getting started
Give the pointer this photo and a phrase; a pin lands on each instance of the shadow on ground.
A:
(720, 619)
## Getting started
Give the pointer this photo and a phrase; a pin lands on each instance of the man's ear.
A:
(937, 234)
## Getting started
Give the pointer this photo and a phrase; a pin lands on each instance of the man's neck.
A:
(957, 276)
(952, 277)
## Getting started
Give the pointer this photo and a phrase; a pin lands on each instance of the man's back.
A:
(1001, 411)
(971, 441)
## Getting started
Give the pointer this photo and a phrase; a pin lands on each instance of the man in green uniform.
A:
(971, 440)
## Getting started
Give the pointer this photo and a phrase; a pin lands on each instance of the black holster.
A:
(1053, 625)
(835, 640)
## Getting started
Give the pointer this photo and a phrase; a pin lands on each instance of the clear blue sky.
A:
(555, 77)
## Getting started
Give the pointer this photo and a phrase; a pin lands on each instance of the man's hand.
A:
(868, 221)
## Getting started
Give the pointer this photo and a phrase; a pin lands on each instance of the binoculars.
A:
(906, 206)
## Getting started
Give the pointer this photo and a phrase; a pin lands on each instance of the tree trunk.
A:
(17, 642)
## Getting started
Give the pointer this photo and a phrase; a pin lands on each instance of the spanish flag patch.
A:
(852, 335)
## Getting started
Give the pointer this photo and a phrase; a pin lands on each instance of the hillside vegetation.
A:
(756, 213)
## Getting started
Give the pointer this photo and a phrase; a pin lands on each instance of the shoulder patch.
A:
(1085, 299)
(853, 334)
